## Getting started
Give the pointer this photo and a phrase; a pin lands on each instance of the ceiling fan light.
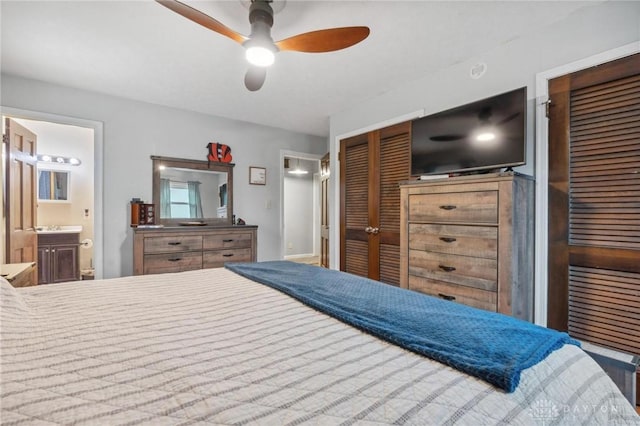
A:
(260, 56)
(485, 137)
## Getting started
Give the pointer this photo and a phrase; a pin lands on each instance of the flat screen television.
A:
(482, 135)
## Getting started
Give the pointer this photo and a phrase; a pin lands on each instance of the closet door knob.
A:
(368, 229)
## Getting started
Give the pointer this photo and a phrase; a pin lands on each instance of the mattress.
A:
(212, 347)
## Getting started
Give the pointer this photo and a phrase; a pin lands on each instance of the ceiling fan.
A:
(260, 47)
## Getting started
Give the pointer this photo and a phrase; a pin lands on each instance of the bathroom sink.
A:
(59, 229)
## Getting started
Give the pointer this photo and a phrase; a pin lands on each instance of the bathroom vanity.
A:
(58, 255)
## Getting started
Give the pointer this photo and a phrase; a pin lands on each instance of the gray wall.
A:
(298, 214)
(133, 131)
(598, 28)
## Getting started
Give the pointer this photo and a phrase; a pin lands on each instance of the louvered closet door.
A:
(354, 208)
(371, 167)
(395, 160)
(594, 199)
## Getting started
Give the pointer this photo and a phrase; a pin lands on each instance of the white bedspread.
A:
(211, 347)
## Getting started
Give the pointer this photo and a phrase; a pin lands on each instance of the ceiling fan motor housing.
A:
(261, 19)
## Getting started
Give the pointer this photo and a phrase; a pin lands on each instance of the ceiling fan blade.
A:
(447, 138)
(327, 40)
(202, 19)
(254, 78)
(508, 118)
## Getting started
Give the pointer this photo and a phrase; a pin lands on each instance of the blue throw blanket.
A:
(490, 346)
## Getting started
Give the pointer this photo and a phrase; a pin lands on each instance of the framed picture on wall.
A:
(257, 175)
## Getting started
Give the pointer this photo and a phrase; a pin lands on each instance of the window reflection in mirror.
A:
(191, 194)
(53, 185)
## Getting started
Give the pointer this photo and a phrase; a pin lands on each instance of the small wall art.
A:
(257, 175)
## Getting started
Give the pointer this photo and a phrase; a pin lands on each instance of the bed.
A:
(214, 347)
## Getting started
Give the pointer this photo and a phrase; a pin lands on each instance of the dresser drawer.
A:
(469, 271)
(227, 240)
(170, 244)
(173, 249)
(474, 207)
(470, 296)
(217, 258)
(172, 262)
(476, 241)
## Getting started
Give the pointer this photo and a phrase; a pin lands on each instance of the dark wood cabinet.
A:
(58, 258)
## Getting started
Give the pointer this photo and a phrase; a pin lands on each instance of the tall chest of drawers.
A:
(176, 249)
(470, 240)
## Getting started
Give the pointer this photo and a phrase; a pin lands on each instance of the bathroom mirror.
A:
(192, 192)
(53, 185)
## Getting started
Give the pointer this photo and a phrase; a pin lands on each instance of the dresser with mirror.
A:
(193, 201)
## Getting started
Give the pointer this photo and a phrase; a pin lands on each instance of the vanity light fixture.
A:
(56, 159)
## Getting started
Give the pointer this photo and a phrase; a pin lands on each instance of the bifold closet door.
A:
(594, 205)
(371, 167)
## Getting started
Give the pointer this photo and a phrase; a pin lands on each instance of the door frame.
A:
(542, 167)
(316, 194)
(98, 161)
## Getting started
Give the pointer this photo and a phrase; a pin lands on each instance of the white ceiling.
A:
(141, 50)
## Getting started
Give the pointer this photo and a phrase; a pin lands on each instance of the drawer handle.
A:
(446, 296)
(447, 207)
(227, 241)
(447, 268)
(174, 243)
(174, 259)
(447, 239)
(227, 255)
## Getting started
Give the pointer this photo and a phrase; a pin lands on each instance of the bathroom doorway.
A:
(301, 207)
(68, 185)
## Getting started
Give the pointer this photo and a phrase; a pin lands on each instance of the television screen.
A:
(487, 134)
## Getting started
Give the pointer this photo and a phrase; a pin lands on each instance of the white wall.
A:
(598, 28)
(299, 215)
(133, 131)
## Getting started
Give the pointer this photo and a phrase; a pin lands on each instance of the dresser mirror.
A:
(192, 192)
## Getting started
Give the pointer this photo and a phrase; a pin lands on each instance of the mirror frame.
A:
(194, 165)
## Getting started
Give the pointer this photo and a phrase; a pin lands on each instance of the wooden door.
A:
(594, 204)
(371, 167)
(324, 211)
(21, 176)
